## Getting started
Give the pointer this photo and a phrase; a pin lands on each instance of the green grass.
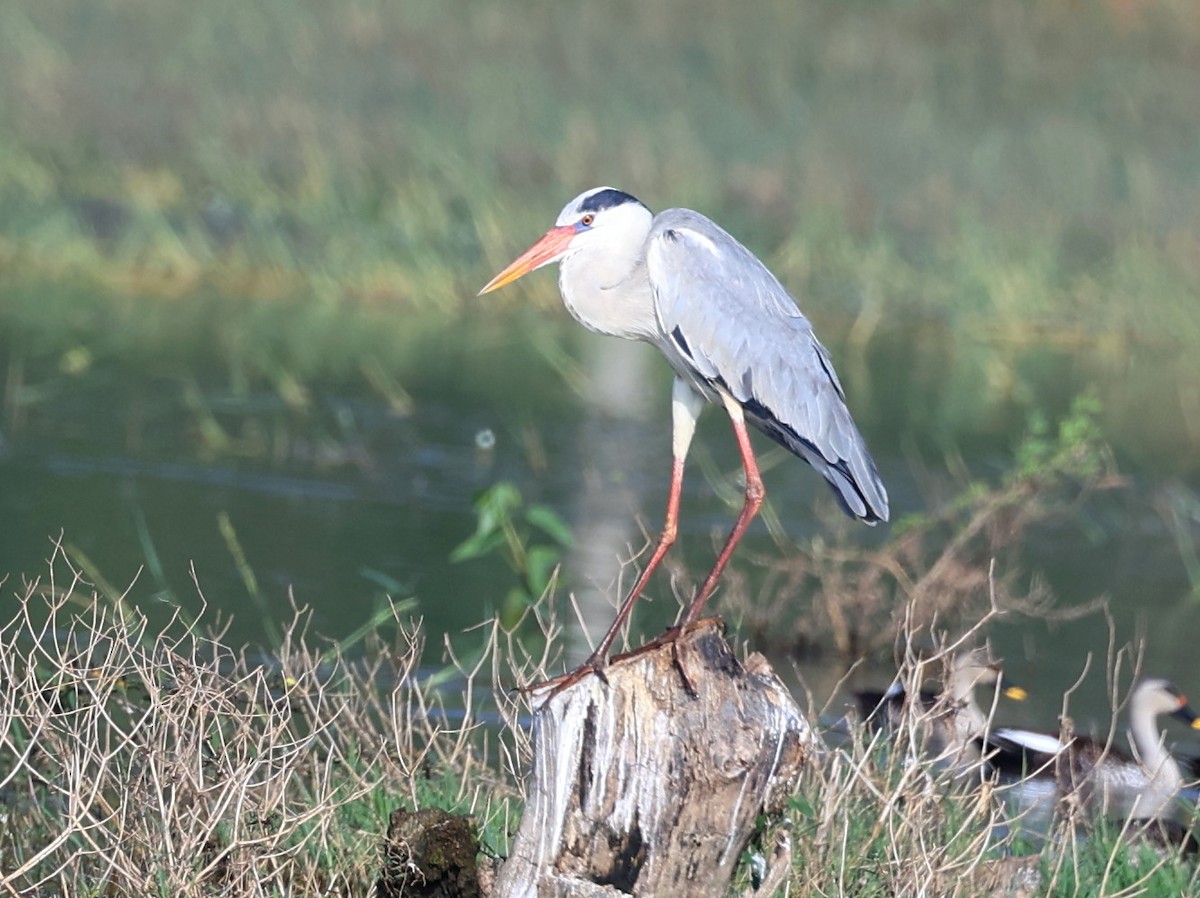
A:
(1109, 862)
(338, 139)
(149, 761)
(155, 760)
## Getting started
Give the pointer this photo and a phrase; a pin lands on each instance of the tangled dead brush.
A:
(156, 761)
(934, 566)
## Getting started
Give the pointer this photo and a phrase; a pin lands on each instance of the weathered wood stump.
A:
(641, 788)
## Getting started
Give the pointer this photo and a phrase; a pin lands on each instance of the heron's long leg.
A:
(754, 499)
(665, 541)
(686, 405)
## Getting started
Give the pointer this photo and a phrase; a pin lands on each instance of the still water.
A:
(351, 499)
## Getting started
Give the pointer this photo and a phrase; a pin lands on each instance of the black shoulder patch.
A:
(677, 335)
(606, 199)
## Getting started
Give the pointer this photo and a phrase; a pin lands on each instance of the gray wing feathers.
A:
(730, 323)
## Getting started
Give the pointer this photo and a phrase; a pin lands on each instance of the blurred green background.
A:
(240, 245)
(1017, 179)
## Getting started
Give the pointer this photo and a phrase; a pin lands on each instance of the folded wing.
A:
(731, 325)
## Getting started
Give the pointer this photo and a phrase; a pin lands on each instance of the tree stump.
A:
(640, 787)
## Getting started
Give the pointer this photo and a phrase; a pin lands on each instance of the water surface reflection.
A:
(352, 498)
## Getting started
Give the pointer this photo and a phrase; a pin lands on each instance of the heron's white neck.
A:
(603, 277)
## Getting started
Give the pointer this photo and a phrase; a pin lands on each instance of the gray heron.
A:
(733, 336)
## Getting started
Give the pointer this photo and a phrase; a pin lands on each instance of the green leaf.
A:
(546, 519)
(513, 607)
(802, 806)
(542, 560)
(493, 510)
(498, 502)
(482, 543)
(384, 581)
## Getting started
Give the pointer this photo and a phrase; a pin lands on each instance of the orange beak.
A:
(552, 245)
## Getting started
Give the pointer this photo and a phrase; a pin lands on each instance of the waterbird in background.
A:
(952, 721)
(733, 336)
(1151, 774)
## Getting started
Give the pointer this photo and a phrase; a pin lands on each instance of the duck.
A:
(952, 720)
(1091, 768)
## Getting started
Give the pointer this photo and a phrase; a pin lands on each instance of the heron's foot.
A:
(593, 666)
(673, 636)
(597, 663)
(668, 636)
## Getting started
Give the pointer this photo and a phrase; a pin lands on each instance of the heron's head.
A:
(602, 217)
